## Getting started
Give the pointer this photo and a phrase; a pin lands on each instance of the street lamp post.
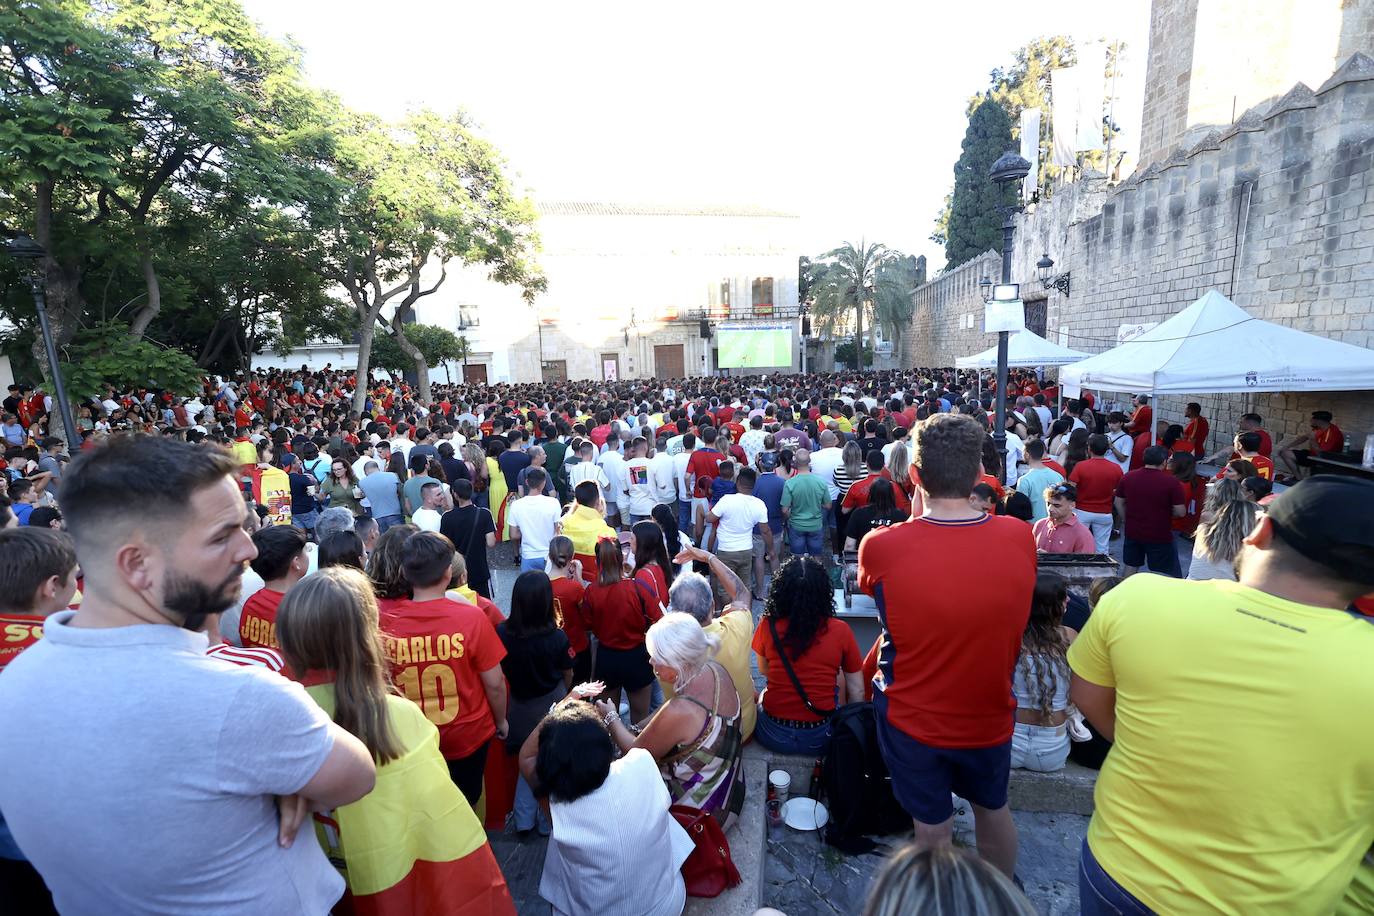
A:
(30, 256)
(1008, 168)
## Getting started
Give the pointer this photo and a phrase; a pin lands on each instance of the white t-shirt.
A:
(1016, 448)
(739, 517)
(680, 461)
(536, 517)
(613, 465)
(1123, 443)
(661, 476)
(426, 519)
(823, 464)
(639, 486)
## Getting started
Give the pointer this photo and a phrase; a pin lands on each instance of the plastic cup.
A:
(780, 781)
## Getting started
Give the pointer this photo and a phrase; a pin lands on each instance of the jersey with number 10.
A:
(438, 650)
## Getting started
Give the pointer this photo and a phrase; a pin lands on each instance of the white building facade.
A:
(629, 288)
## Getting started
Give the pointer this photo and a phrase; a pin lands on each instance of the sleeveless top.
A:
(1025, 684)
(707, 773)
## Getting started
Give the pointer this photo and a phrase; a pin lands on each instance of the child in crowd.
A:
(1093, 752)
(413, 842)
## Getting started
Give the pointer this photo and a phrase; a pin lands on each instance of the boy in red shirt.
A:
(37, 578)
(951, 637)
(446, 658)
(281, 562)
(1096, 480)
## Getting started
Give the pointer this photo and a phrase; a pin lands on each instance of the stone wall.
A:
(1276, 212)
(1210, 60)
(947, 319)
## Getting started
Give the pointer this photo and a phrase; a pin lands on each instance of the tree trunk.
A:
(61, 281)
(409, 349)
(859, 335)
(364, 359)
(150, 309)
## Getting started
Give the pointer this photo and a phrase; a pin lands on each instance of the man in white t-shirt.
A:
(684, 492)
(740, 518)
(639, 486)
(661, 475)
(612, 463)
(427, 517)
(1119, 442)
(533, 522)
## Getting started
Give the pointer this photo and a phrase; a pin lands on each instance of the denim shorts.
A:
(923, 776)
(1039, 747)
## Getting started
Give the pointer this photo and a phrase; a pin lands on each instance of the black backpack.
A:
(856, 785)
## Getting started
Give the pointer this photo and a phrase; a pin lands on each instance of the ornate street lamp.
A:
(30, 256)
(1048, 278)
(1008, 169)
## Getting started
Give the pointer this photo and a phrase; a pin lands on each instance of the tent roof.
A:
(1215, 346)
(1024, 348)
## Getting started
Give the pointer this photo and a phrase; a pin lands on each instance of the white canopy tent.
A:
(1214, 346)
(1024, 348)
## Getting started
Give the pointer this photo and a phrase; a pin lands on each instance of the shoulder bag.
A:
(709, 870)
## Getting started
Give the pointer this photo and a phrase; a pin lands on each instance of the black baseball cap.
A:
(1322, 516)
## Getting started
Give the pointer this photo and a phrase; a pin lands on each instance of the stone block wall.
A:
(947, 318)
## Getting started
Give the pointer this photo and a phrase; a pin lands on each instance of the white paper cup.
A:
(781, 783)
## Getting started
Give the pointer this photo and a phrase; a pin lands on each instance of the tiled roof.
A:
(592, 208)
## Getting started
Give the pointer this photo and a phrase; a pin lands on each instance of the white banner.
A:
(1092, 68)
(1030, 150)
(1064, 114)
(1008, 315)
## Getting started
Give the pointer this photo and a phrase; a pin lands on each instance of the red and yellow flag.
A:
(412, 844)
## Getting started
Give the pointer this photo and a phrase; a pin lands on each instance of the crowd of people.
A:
(295, 605)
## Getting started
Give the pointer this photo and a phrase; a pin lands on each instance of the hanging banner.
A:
(1004, 315)
(1091, 92)
(1030, 151)
(1064, 114)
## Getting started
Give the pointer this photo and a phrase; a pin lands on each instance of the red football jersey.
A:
(17, 633)
(438, 650)
(258, 624)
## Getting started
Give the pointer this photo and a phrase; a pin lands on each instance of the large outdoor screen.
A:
(756, 346)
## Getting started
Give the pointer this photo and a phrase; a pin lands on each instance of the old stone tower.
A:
(1211, 60)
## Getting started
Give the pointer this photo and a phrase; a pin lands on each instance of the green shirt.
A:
(806, 495)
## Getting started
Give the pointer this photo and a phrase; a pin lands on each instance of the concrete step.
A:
(747, 838)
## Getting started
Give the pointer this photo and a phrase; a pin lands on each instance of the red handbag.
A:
(709, 870)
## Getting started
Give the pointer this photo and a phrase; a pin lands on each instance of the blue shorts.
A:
(923, 776)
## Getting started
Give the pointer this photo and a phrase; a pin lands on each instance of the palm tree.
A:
(861, 278)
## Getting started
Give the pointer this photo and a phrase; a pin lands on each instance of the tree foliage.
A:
(974, 220)
(191, 189)
(436, 345)
(864, 281)
(134, 363)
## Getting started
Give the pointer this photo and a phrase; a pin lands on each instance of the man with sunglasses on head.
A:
(1061, 531)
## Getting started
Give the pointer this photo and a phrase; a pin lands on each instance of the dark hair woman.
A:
(595, 863)
(1077, 449)
(538, 669)
(798, 628)
(328, 623)
(342, 548)
(1184, 467)
(620, 611)
(652, 565)
(1040, 681)
(881, 512)
(340, 488)
(565, 578)
(384, 565)
(672, 537)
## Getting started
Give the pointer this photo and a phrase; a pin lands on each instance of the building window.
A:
(720, 306)
(762, 296)
(468, 317)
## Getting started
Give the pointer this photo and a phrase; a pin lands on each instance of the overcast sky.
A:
(848, 114)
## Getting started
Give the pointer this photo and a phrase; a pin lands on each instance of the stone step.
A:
(748, 838)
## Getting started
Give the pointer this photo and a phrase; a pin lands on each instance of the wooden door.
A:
(555, 370)
(669, 361)
(475, 373)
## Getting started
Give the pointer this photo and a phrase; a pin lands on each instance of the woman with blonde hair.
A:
(405, 844)
(943, 881)
(1227, 519)
(695, 736)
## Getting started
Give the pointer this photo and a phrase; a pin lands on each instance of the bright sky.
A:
(849, 115)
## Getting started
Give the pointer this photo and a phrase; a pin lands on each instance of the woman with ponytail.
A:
(408, 843)
(565, 575)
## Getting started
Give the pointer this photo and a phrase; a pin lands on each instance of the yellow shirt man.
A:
(1242, 775)
(735, 630)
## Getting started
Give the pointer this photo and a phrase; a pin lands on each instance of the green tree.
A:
(408, 199)
(898, 278)
(844, 353)
(857, 280)
(1026, 84)
(134, 363)
(437, 346)
(974, 223)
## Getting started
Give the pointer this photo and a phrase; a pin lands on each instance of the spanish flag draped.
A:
(412, 845)
(585, 526)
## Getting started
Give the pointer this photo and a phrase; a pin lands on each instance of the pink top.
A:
(1068, 536)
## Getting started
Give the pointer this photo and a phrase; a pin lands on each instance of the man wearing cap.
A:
(1323, 438)
(1241, 778)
